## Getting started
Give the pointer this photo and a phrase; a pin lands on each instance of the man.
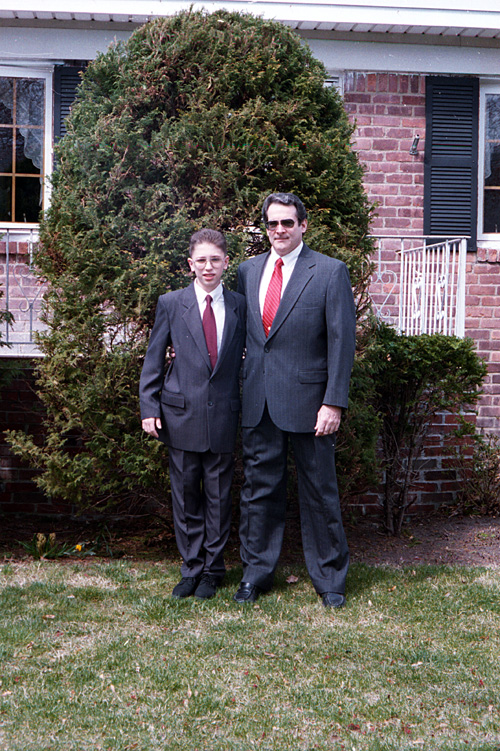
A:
(300, 350)
(194, 408)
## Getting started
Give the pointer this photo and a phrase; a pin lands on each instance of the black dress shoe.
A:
(333, 600)
(207, 587)
(247, 592)
(186, 587)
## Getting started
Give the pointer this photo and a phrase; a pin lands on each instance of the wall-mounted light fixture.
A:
(414, 146)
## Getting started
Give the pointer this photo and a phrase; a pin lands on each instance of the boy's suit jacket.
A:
(199, 408)
(307, 358)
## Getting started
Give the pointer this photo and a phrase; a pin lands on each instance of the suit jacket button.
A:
(266, 349)
(210, 404)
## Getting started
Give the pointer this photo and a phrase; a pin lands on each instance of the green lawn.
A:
(96, 655)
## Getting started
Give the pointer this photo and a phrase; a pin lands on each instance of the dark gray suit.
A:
(305, 362)
(199, 409)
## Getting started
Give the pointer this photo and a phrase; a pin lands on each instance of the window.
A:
(335, 81)
(25, 143)
(489, 164)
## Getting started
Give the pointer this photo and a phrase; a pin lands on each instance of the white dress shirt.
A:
(217, 296)
(289, 261)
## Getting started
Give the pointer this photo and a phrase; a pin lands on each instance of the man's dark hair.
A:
(207, 235)
(287, 199)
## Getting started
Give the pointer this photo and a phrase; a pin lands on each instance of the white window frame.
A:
(489, 239)
(335, 80)
(46, 73)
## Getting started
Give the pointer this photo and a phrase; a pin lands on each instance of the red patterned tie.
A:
(210, 330)
(273, 296)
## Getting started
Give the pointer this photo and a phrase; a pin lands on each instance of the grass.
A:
(96, 655)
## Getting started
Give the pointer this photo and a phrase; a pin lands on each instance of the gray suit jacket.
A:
(199, 408)
(307, 359)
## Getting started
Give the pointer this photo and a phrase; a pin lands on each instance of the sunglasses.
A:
(288, 223)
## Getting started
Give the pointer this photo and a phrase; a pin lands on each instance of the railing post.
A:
(402, 287)
(460, 304)
(7, 284)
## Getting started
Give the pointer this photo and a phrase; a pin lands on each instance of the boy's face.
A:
(208, 263)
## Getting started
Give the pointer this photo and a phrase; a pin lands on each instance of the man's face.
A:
(208, 263)
(284, 239)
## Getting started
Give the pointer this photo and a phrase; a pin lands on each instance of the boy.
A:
(193, 408)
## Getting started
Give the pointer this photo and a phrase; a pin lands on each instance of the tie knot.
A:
(278, 263)
(208, 299)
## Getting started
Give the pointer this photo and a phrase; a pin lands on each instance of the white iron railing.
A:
(420, 286)
(21, 290)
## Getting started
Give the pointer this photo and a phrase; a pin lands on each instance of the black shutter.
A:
(66, 80)
(451, 157)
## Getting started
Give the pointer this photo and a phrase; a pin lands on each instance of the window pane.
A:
(492, 169)
(5, 199)
(29, 149)
(491, 208)
(29, 101)
(28, 199)
(6, 100)
(492, 116)
(5, 149)
(492, 211)
(22, 141)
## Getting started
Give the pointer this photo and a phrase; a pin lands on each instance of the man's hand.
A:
(150, 424)
(328, 420)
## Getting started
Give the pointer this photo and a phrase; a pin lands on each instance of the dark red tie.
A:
(273, 296)
(210, 330)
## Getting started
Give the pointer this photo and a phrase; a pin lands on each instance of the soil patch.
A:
(433, 539)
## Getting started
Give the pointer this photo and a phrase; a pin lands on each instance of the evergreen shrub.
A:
(415, 379)
(190, 123)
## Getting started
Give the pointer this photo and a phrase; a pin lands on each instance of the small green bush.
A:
(479, 473)
(417, 377)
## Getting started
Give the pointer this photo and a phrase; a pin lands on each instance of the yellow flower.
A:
(40, 542)
(78, 547)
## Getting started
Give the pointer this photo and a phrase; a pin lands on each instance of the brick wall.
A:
(389, 111)
(482, 323)
(20, 409)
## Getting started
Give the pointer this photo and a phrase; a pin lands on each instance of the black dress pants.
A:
(263, 506)
(201, 500)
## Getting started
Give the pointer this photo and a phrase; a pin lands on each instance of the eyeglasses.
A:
(288, 223)
(215, 261)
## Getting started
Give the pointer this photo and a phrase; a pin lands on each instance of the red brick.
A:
(472, 300)
(387, 99)
(359, 98)
(383, 81)
(360, 82)
(482, 289)
(491, 301)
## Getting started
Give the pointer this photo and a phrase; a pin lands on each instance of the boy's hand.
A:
(150, 425)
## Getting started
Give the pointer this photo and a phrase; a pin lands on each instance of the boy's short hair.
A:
(207, 235)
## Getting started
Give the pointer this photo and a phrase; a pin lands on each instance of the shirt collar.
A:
(201, 294)
(289, 257)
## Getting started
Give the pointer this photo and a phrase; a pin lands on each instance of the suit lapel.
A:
(192, 319)
(230, 321)
(302, 273)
